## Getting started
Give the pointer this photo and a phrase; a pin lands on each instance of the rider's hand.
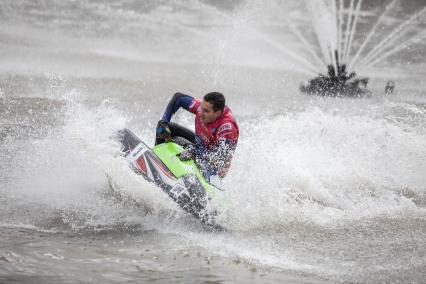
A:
(187, 154)
(163, 130)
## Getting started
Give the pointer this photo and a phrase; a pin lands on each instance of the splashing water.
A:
(320, 166)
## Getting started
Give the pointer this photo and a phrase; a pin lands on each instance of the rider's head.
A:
(212, 107)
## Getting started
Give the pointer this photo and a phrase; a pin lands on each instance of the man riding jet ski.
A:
(216, 133)
(183, 163)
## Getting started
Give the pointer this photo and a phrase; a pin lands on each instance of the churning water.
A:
(321, 189)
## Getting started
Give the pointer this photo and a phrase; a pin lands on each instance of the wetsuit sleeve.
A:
(227, 137)
(227, 132)
(218, 159)
(180, 100)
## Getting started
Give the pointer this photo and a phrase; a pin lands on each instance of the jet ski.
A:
(181, 180)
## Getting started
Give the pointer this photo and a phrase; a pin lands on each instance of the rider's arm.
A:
(219, 157)
(177, 101)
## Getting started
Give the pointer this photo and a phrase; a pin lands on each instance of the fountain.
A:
(335, 26)
(335, 43)
(338, 83)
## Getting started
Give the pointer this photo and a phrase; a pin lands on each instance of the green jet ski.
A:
(181, 180)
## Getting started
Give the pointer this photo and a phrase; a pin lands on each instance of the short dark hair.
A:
(216, 99)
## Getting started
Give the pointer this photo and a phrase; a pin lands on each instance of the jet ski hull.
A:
(182, 181)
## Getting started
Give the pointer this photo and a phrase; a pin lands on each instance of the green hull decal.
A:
(167, 152)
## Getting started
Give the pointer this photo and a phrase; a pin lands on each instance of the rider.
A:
(216, 132)
(390, 85)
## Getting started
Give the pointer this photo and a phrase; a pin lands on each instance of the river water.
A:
(320, 189)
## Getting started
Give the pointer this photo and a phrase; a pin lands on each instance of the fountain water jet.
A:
(353, 29)
(370, 34)
(306, 44)
(415, 39)
(397, 33)
(339, 25)
(326, 37)
(305, 66)
(347, 30)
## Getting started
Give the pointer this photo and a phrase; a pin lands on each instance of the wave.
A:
(317, 165)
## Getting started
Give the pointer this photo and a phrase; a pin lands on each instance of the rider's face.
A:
(208, 114)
